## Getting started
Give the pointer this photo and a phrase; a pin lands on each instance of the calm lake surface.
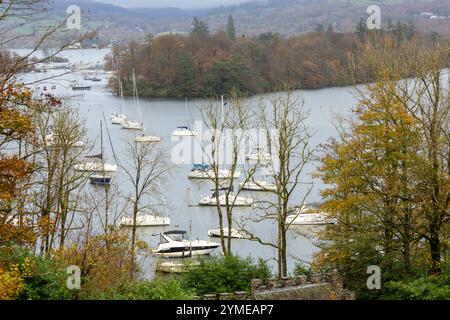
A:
(161, 117)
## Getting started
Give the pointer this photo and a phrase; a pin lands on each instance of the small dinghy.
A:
(175, 244)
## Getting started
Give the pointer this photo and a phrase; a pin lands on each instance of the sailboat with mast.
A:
(118, 117)
(183, 131)
(260, 185)
(98, 164)
(133, 124)
(147, 219)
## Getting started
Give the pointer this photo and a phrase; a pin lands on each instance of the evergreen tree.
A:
(186, 74)
(200, 28)
(231, 30)
(361, 29)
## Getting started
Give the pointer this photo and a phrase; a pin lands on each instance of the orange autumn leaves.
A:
(12, 172)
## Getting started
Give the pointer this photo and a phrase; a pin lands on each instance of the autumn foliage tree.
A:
(388, 171)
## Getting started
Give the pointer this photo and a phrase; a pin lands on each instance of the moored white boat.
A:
(309, 216)
(183, 132)
(232, 200)
(132, 125)
(234, 233)
(146, 220)
(118, 118)
(175, 244)
(258, 186)
(52, 141)
(97, 166)
(204, 171)
(80, 86)
(147, 138)
(258, 156)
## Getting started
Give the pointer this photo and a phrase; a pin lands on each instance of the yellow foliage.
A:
(11, 282)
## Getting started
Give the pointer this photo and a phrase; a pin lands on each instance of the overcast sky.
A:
(173, 3)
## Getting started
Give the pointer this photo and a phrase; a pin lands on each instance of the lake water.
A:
(161, 117)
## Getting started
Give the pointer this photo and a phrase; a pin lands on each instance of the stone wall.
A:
(316, 287)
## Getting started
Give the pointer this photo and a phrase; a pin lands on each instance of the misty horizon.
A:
(182, 4)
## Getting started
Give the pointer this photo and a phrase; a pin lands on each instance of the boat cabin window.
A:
(177, 236)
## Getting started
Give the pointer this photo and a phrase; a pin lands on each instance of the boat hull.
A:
(209, 174)
(258, 186)
(186, 252)
(98, 167)
(239, 202)
(234, 233)
(81, 88)
(99, 180)
(306, 219)
(147, 139)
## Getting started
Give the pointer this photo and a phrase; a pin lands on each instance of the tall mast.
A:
(222, 109)
(101, 140)
(121, 95)
(137, 96)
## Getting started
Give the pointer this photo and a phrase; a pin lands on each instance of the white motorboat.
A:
(258, 186)
(234, 233)
(146, 220)
(183, 132)
(175, 244)
(204, 171)
(309, 216)
(232, 200)
(147, 139)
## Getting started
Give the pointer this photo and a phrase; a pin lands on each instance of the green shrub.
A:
(157, 289)
(43, 279)
(225, 274)
(301, 270)
(435, 287)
